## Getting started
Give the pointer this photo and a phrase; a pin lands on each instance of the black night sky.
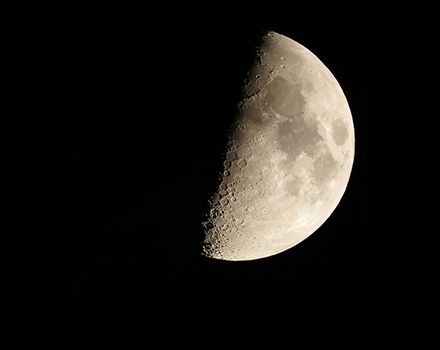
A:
(153, 93)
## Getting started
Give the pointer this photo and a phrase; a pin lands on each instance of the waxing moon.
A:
(288, 158)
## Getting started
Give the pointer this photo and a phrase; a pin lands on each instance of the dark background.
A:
(153, 93)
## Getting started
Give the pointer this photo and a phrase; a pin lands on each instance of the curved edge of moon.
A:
(288, 159)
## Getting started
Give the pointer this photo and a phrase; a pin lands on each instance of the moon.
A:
(288, 157)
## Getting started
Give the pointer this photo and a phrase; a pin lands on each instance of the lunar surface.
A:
(288, 158)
